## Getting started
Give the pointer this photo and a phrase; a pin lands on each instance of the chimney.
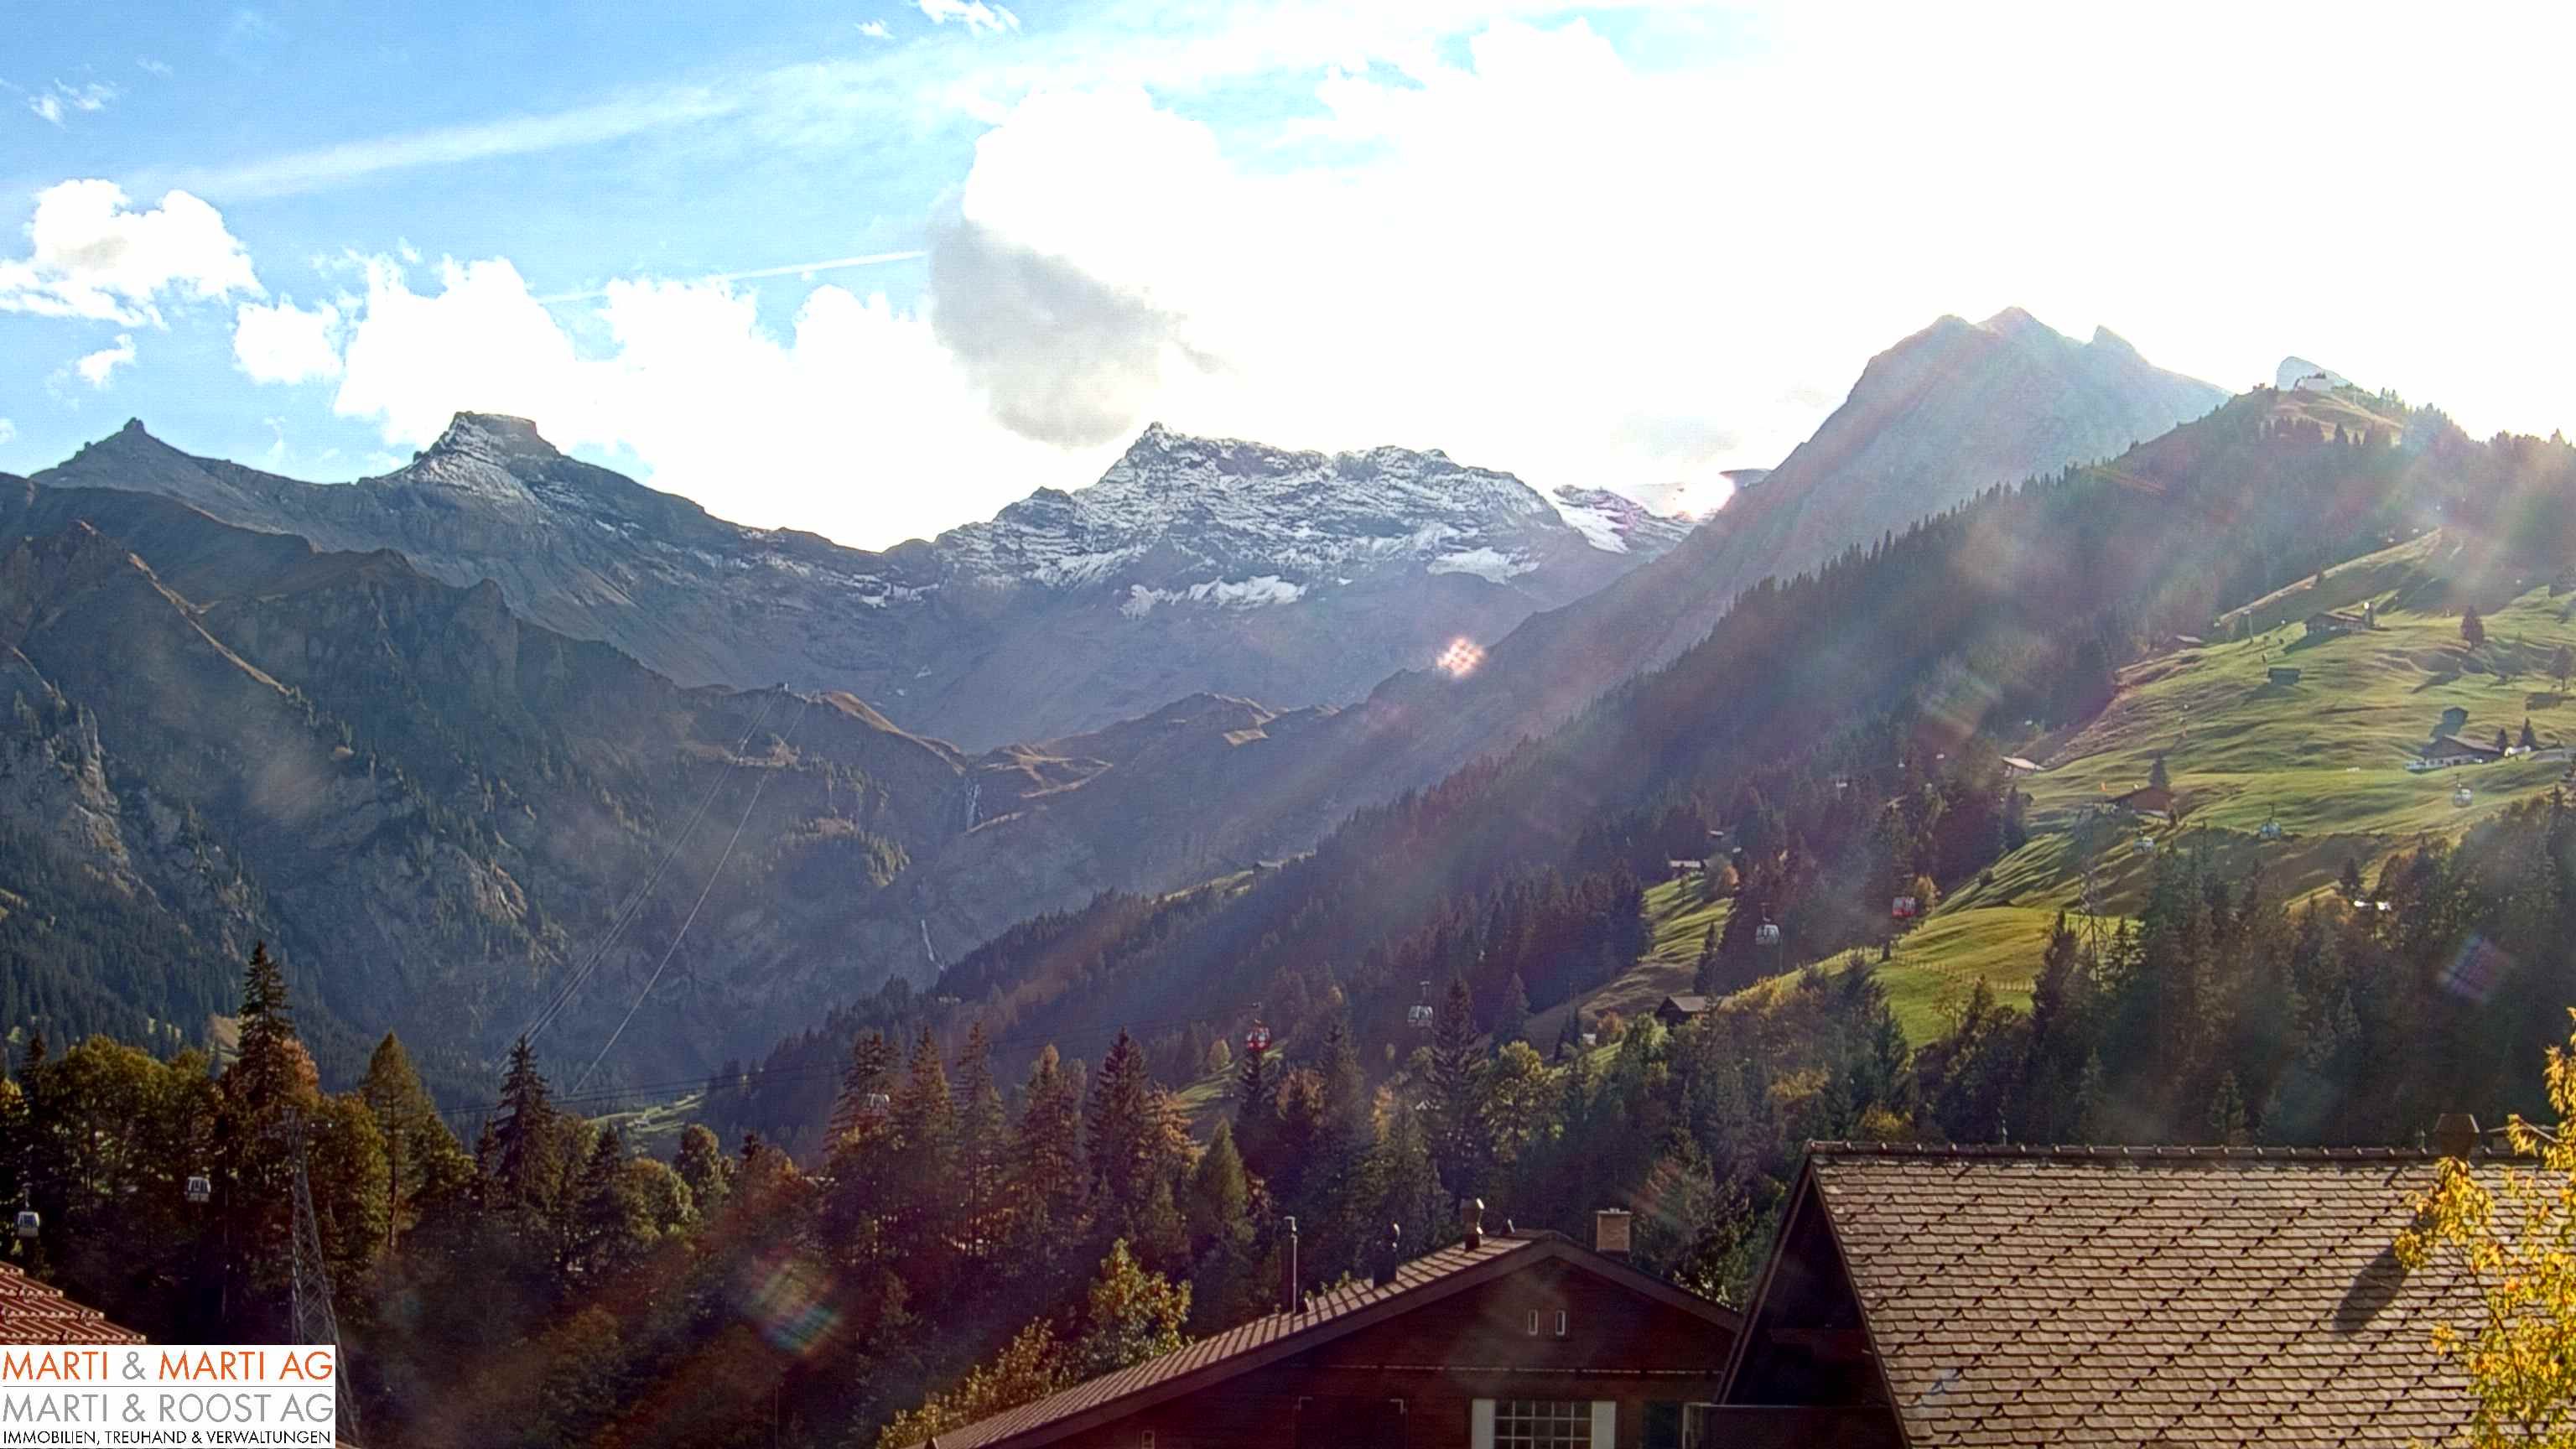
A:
(1610, 1232)
(1471, 1217)
(1288, 1267)
(1390, 1253)
(2456, 1134)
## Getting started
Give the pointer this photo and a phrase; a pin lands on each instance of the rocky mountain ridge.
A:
(1193, 565)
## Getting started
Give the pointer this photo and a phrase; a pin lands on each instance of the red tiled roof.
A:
(2203, 1296)
(1263, 1340)
(33, 1312)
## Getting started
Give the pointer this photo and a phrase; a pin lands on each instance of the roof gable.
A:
(1335, 1315)
(2042, 1296)
(34, 1312)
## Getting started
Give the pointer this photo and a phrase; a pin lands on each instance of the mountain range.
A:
(430, 732)
(1192, 565)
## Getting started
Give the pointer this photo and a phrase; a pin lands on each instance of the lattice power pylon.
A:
(310, 1283)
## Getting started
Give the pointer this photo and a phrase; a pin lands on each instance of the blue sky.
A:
(1630, 244)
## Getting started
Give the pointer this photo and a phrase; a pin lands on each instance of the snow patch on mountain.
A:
(1490, 564)
(1251, 593)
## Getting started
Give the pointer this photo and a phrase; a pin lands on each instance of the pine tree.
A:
(2473, 630)
(2349, 881)
(1219, 1212)
(268, 1068)
(1457, 1095)
(1049, 1174)
(1513, 1019)
(1704, 976)
(863, 1096)
(528, 1166)
(424, 1163)
(2529, 740)
(1128, 1129)
(2092, 1103)
(601, 1227)
(2227, 1114)
(981, 1141)
(2157, 776)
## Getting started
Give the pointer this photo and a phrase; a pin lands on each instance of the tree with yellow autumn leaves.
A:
(2515, 1242)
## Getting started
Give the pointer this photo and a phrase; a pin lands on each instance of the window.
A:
(1542, 1424)
(1533, 1323)
(1560, 1323)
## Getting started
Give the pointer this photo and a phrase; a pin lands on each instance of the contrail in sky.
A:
(792, 269)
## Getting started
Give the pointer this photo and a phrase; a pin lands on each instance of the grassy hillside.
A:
(2325, 758)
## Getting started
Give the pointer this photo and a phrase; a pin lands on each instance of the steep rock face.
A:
(1193, 565)
(434, 810)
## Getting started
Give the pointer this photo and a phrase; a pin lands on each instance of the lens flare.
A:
(1461, 658)
(2476, 970)
(786, 1298)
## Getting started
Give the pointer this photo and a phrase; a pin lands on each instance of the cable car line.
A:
(563, 996)
(700, 904)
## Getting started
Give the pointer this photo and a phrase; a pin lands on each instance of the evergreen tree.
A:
(863, 1093)
(602, 1229)
(1704, 976)
(528, 1164)
(1457, 1095)
(1131, 1134)
(2227, 1114)
(2529, 740)
(424, 1163)
(2157, 777)
(269, 1066)
(982, 1141)
(1512, 1021)
(1049, 1173)
(2473, 630)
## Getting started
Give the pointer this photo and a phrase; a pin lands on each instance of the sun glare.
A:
(1461, 658)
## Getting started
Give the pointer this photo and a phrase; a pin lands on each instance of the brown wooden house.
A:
(1505, 1341)
(1676, 1011)
(1930, 1297)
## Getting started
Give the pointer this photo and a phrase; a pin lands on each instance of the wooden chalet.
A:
(1930, 1297)
(2145, 800)
(2330, 623)
(1499, 1342)
(1675, 1010)
(2454, 750)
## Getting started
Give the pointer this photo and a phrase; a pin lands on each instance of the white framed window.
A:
(1560, 1323)
(1533, 1323)
(1545, 1424)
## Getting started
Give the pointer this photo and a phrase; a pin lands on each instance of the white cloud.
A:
(151, 66)
(286, 343)
(8, 430)
(96, 368)
(63, 99)
(856, 423)
(875, 30)
(92, 255)
(977, 16)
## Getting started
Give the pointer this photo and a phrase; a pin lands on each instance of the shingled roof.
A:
(33, 1312)
(1327, 1316)
(2044, 1296)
